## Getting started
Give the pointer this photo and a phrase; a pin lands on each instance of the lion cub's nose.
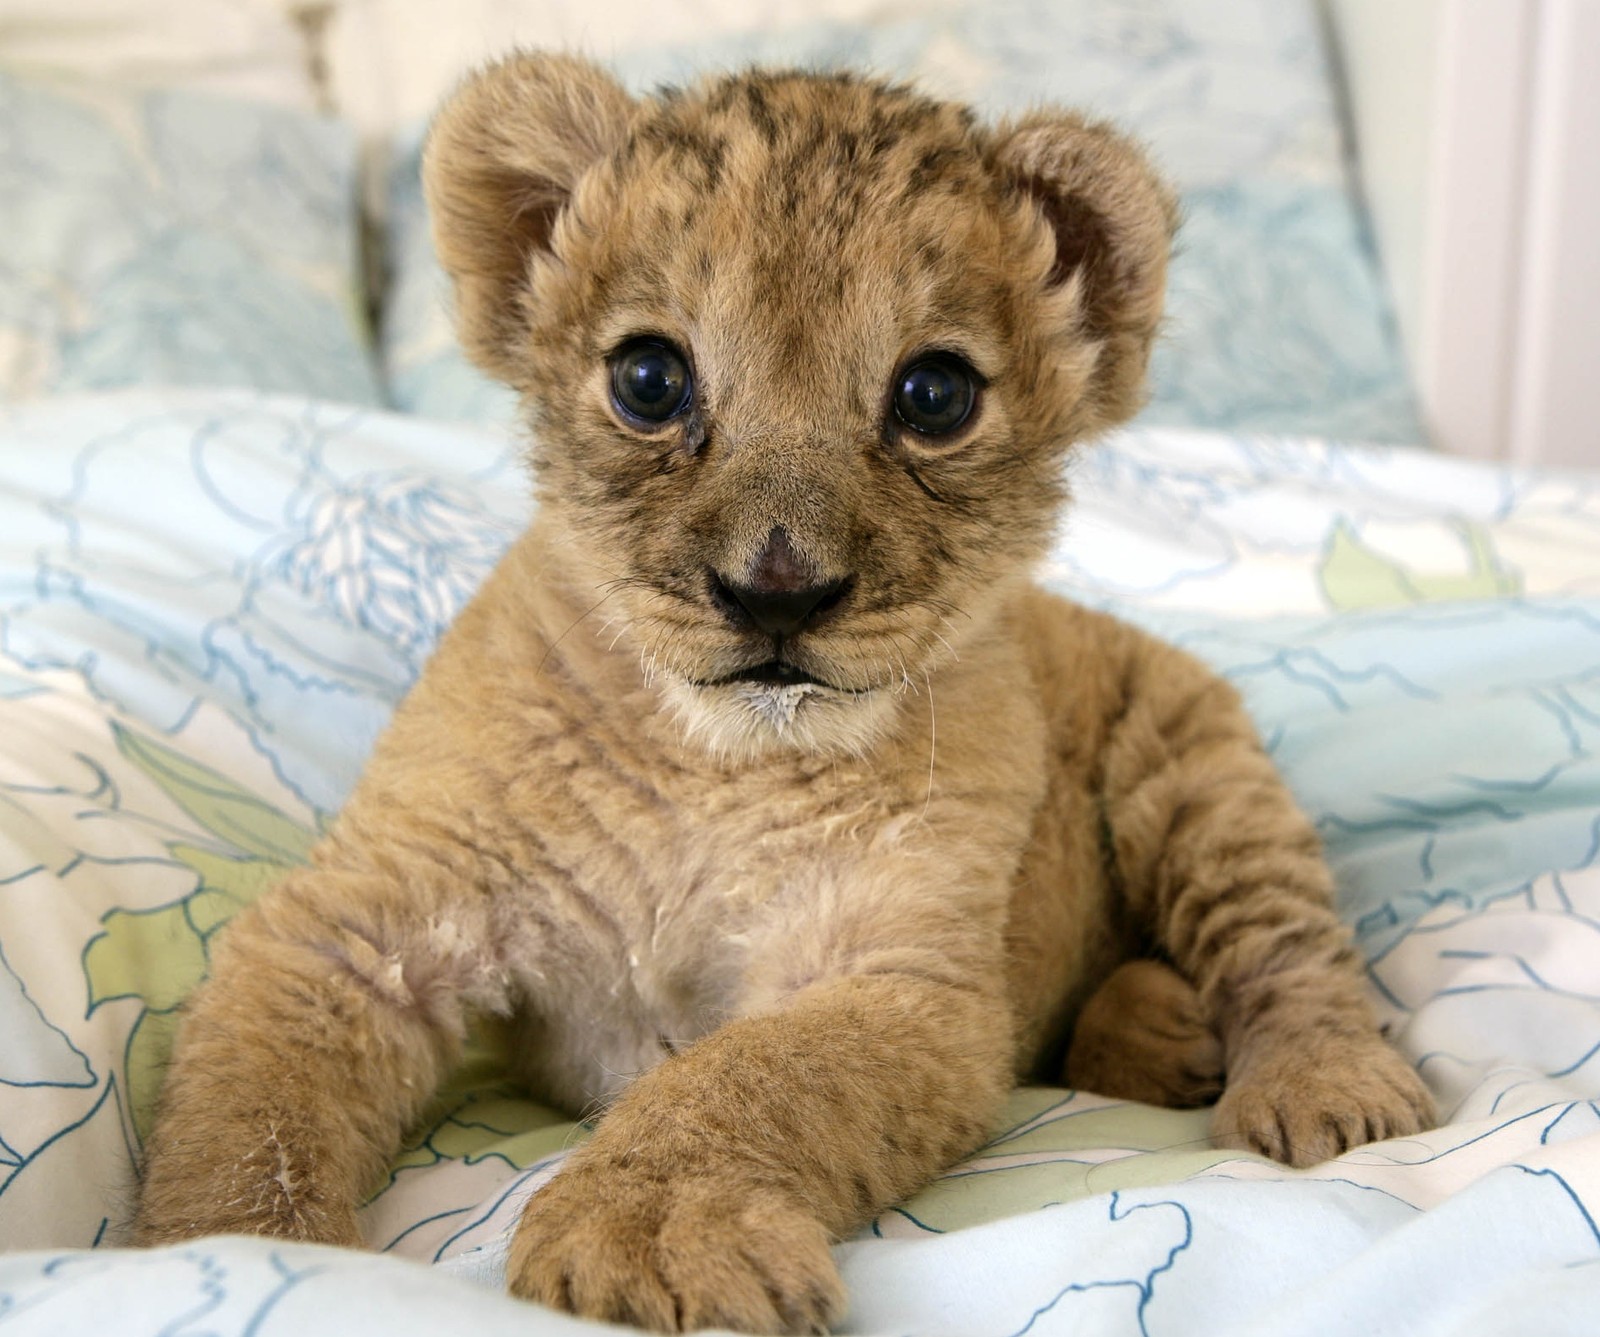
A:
(783, 592)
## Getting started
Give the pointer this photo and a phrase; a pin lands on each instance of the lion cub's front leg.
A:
(333, 1010)
(1229, 876)
(712, 1189)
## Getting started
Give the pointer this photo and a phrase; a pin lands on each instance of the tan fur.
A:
(802, 943)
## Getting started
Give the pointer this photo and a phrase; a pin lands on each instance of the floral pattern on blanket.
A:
(209, 603)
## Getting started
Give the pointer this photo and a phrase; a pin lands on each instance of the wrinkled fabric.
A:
(210, 602)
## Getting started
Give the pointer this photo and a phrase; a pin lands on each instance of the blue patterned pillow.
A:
(1278, 319)
(176, 239)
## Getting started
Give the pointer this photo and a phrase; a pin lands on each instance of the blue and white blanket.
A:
(210, 601)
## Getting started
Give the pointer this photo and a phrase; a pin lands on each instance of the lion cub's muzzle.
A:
(782, 596)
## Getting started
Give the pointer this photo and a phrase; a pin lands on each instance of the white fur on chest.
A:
(643, 954)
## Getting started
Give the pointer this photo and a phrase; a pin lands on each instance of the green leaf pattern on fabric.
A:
(1043, 1158)
(240, 819)
(1355, 576)
(159, 955)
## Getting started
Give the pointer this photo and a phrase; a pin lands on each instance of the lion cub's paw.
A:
(1308, 1103)
(1144, 1035)
(674, 1255)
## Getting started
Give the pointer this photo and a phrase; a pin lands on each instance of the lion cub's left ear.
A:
(1112, 220)
(502, 161)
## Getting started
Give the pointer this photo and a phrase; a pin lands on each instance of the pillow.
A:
(391, 61)
(256, 49)
(1278, 320)
(173, 238)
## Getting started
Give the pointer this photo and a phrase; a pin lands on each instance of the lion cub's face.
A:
(804, 353)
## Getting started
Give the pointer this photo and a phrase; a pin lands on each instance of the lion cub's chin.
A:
(745, 721)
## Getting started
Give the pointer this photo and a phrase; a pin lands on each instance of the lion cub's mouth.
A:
(777, 673)
(773, 673)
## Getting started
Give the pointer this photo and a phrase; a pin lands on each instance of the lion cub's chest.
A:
(647, 887)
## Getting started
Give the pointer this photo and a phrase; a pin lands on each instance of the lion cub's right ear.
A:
(502, 160)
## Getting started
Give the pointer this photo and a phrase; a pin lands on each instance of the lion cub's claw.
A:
(674, 1255)
(1306, 1104)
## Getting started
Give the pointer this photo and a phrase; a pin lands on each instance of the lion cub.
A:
(758, 782)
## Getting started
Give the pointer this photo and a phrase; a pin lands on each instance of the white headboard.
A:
(1477, 125)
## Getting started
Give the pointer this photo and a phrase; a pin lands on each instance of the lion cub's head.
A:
(804, 353)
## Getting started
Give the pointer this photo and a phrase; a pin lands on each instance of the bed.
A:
(234, 517)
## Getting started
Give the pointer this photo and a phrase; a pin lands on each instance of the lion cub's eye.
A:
(935, 393)
(650, 380)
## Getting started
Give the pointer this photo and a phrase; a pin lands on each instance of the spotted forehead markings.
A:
(852, 121)
(849, 119)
